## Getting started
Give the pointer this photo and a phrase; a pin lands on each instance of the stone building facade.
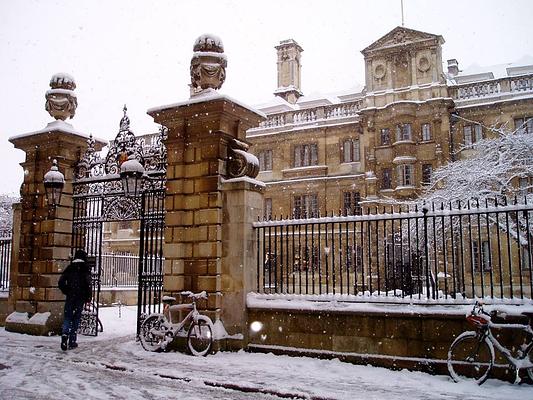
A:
(335, 154)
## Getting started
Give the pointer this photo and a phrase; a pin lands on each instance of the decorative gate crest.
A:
(152, 157)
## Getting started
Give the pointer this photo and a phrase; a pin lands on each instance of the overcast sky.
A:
(138, 52)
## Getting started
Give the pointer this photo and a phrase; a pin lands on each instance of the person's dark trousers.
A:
(71, 320)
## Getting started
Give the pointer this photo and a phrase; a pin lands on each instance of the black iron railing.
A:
(120, 269)
(5, 262)
(445, 251)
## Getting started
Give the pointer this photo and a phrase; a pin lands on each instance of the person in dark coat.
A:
(75, 283)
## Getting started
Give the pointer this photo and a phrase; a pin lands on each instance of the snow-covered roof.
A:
(315, 99)
(205, 96)
(475, 72)
(276, 105)
(57, 125)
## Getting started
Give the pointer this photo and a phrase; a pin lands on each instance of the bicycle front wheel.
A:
(529, 357)
(470, 357)
(200, 338)
(152, 333)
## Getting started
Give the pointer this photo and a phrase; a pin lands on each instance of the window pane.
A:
(297, 157)
(485, 255)
(427, 170)
(346, 150)
(399, 172)
(478, 130)
(386, 178)
(268, 161)
(297, 207)
(475, 254)
(356, 198)
(347, 203)
(385, 136)
(405, 175)
(467, 131)
(314, 154)
(306, 156)
(406, 131)
(355, 150)
(313, 212)
(518, 122)
(529, 125)
(409, 175)
(426, 132)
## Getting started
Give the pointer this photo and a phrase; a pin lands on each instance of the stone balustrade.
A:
(522, 83)
(311, 115)
(493, 87)
(467, 91)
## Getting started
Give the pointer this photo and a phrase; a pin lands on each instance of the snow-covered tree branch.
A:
(495, 167)
(6, 214)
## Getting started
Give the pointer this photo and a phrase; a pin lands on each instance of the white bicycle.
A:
(471, 355)
(158, 330)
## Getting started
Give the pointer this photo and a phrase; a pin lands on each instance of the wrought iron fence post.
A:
(426, 251)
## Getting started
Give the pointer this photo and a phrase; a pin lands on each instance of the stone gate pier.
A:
(212, 196)
(42, 237)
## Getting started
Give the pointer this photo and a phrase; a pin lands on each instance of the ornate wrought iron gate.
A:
(100, 197)
(151, 253)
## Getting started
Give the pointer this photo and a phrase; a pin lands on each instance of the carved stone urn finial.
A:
(61, 100)
(208, 63)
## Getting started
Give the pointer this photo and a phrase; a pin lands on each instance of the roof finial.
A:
(61, 100)
(401, 3)
(125, 121)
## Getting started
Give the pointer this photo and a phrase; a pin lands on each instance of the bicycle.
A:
(158, 330)
(471, 355)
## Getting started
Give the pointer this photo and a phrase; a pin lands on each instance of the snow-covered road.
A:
(114, 366)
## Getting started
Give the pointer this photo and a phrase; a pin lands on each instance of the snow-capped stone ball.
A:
(208, 42)
(62, 81)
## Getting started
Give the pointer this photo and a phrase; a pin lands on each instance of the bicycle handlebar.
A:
(201, 295)
(478, 309)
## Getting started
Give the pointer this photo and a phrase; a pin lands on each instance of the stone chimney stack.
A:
(289, 70)
(453, 67)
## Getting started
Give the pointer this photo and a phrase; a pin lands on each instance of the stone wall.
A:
(411, 340)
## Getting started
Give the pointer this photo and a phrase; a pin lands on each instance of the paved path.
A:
(118, 368)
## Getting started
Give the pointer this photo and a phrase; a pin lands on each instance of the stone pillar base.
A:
(42, 324)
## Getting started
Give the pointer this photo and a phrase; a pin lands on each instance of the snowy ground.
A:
(114, 366)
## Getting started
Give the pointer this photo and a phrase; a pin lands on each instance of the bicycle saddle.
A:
(168, 299)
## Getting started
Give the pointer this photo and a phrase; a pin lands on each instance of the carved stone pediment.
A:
(400, 37)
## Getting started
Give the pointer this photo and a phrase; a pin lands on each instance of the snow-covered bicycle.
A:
(471, 355)
(158, 330)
